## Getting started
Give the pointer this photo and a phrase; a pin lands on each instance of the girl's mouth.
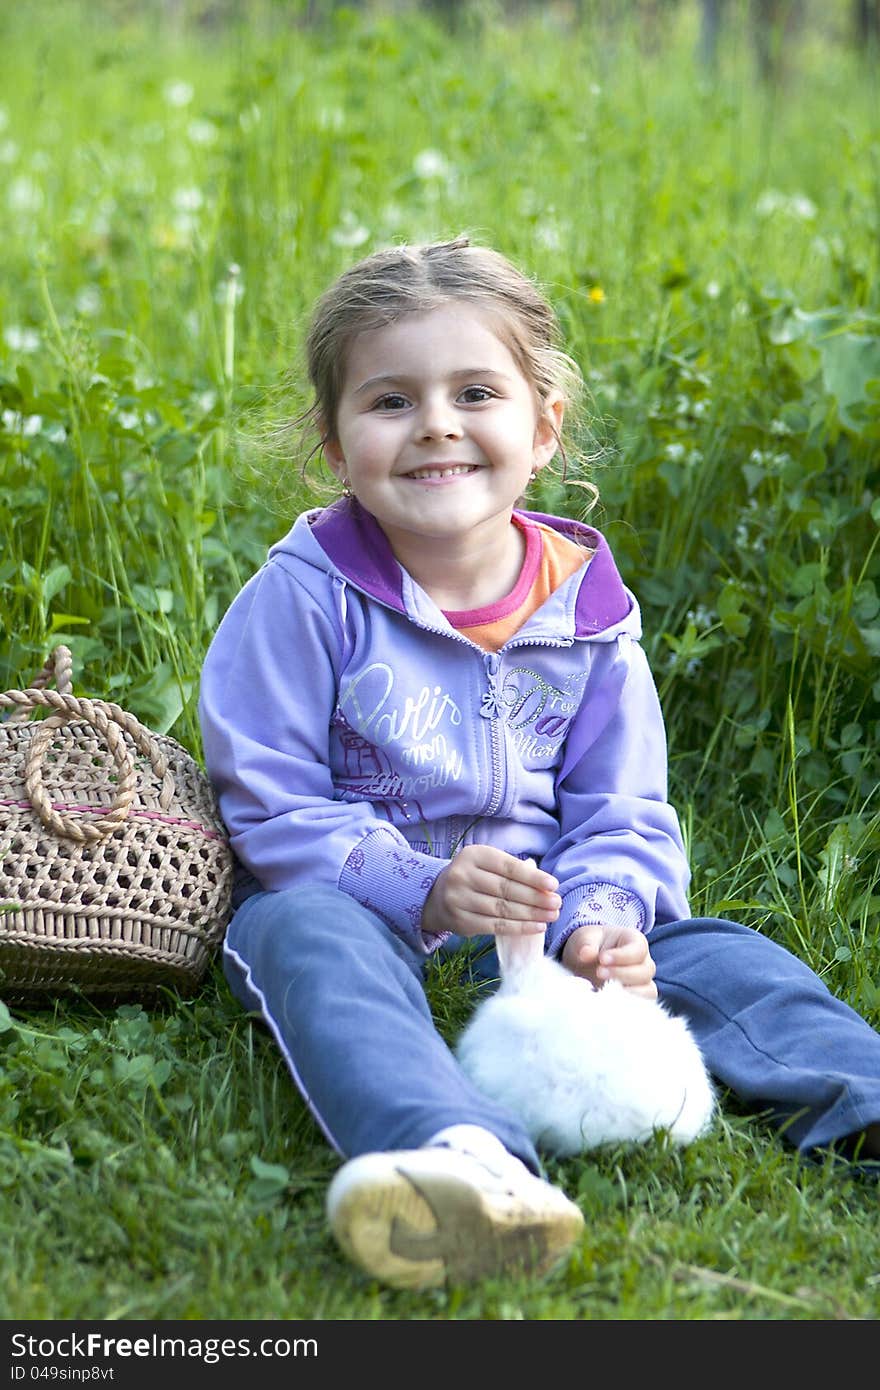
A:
(437, 472)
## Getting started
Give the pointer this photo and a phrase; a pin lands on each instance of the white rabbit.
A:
(582, 1066)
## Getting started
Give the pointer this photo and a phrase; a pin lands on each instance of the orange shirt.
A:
(550, 559)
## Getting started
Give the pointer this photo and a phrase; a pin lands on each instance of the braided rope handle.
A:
(58, 668)
(111, 723)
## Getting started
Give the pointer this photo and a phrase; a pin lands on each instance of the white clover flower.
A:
(128, 419)
(701, 616)
(694, 457)
(56, 432)
(756, 456)
(30, 425)
(178, 93)
(206, 400)
(779, 427)
(202, 132)
(8, 152)
(713, 289)
(21, 339)
(431, 164)
(350, 232)
(24, 195)
(675, 452)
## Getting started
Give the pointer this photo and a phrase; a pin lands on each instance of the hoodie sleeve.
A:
(268, 695)
(619, 858)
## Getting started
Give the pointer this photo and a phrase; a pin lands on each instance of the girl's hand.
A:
(486, 890)
(611, 953)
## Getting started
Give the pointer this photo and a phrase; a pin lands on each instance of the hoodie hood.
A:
(346, 539)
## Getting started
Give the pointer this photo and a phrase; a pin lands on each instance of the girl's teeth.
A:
(441, 472)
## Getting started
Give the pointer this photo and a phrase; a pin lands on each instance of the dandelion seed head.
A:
(431, 164)
(187, 199)
(24, 195)
(202, 132)
(230, 285)
(250, 117)
(547, 234)
(803, 207)
(21, 339)
(89, 300)
(178, 93)
(350, 232)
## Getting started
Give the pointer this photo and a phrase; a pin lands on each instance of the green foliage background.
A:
(179, 182)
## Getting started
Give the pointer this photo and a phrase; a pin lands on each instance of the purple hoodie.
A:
(356, 739)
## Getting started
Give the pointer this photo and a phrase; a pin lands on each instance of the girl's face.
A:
(438, 431)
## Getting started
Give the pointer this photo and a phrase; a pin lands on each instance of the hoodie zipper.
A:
(491, 709)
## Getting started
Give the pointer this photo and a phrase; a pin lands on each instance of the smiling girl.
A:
(429, 719)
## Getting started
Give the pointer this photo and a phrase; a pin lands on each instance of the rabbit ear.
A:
(517, 954)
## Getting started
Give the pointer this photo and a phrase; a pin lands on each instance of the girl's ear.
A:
(334, 456)
(548, 429)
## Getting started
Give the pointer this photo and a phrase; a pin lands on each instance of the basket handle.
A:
(58, 668)
(108, 720)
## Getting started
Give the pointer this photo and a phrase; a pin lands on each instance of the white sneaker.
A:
(414, 1218)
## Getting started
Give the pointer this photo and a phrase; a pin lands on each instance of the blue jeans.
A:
(344, 998)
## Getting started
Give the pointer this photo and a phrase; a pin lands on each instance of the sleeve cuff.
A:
(597, 904)
(387, 877)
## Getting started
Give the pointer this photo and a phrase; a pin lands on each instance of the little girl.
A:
(428, 719)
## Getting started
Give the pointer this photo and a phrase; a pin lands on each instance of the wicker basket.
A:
(115, 868)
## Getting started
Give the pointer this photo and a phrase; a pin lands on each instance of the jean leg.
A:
(344, 997)
(770, 1030)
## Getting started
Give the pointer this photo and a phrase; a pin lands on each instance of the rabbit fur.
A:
(582, 1067)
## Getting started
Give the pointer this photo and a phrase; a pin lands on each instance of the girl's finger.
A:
(629, 975)
(511, 890)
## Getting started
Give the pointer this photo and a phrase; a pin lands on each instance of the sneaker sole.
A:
(418, 1231)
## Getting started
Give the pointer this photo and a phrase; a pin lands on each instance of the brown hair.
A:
(407, 279)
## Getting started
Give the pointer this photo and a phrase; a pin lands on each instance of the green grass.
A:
(711, 244)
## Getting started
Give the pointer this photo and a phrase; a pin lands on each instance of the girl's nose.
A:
(438, 420)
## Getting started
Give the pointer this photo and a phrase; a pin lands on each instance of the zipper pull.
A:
(493, 705)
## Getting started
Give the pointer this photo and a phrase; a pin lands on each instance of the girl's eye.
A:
(475, 395)
(393, 401)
